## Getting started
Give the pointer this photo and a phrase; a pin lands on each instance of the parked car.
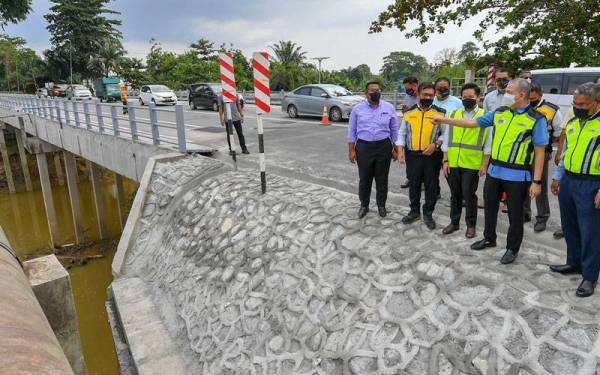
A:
(558, 84)
(42, 92)
(78, 92)
(157, 94)
(58, 90)
(310, 99)
(206, 95)
(107, 89)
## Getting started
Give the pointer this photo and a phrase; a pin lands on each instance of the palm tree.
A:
(288, 52)
(107, 57)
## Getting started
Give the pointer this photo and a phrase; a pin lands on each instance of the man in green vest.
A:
(466, 157)
(577, 183)
(519, 140)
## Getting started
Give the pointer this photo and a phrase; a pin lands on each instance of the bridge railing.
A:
(112, 119)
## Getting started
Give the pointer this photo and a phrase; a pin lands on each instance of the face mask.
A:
(535, 103)
(444, 93)
(508, 100)
(410, 92)
(469, 103)
(426, 103)
(504, 83)
(581, 113)
(375, 96)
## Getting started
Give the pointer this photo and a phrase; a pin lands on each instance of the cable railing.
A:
(112, 119)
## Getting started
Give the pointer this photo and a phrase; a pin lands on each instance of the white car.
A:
(157, 94)
(78, 92)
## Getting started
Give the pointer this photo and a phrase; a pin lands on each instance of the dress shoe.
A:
(451, 228)
(558, 234)
(483, 244)
(509, 257)
(539, 226)
(245, 151)
(411, 218)
(405, 184)
(526, 218)
(565, 269)
(470, 233)
(504, 208)
(585, 289)
(362, 212)
(429, 222)
(382, 211)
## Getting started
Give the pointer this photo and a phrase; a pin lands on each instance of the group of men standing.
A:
(508, 139)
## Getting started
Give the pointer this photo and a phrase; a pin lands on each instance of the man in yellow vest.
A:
(420, 141)
(578, 179)
(554, 119)
(520, 138)
(466, 158)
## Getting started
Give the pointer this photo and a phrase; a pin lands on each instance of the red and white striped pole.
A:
(229, 94)
(490, 77)
(262, 95)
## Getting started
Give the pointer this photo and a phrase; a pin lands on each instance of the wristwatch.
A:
(537, 182)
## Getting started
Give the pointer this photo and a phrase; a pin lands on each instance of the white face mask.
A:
(508, 100)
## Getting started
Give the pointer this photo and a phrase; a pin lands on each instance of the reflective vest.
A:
(511, 146)
(582, 156)
(421, 131)
(549, 111)
(465, 145)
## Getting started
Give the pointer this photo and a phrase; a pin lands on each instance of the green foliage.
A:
(399, 65)
(540, 34)
(20, 65)
(81, 28)
(287, 52)
(13, 11)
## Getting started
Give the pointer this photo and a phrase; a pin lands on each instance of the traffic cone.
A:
(325, 118)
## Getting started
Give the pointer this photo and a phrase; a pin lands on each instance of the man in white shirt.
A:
(493, 99)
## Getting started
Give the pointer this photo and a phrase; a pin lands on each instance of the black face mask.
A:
(504, 83)
(535, 103)
(444, 93)
(581, 113)
(375, 96)
(469, 103)
(426, 103)
(410, 92)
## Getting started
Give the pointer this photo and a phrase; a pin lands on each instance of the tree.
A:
(399, 65)
(469, 55)
(204, 48)
(446, 57)
(107, 57)
(76, 26)
(131, 70)
(22, 69)
(13, 11)
(287, 52)
(535, 33)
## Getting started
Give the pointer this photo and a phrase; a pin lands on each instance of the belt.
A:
(578, 176)
(373, 142)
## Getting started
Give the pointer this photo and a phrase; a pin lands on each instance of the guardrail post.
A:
(395, 99)
(99, 116)
(115, 120)
(67, 117)
(154, 124)
(132, 122)
(179, 120)
(76, 114)
(48, 109)
(57, 106)
(86, 113)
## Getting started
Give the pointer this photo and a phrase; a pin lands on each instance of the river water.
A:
(22, 216)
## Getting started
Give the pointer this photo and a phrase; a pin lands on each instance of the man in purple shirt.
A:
(372, 133)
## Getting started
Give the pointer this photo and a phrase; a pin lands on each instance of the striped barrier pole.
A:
(490, 76)
(262, 93)
(229, 96)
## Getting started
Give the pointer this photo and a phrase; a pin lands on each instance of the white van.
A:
(559, 84)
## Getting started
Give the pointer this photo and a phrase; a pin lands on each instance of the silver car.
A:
(78, 92)
(310, 100)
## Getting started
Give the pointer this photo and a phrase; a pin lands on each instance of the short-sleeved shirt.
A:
(492, 101)
(539, 138)
(235, 114)
(450, 104)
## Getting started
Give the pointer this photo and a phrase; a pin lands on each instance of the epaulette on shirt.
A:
(439, 109)
(534, 113)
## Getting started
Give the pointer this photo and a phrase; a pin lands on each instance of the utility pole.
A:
(70, 62)
(319, 59)
(17, 72)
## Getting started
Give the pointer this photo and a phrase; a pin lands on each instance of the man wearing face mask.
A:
(443, 97)
(410, 86)
(520, 138)
(493, 99)
(419, 140)
(372, 132)
(577, 183)
(466, 158)
(554, 118)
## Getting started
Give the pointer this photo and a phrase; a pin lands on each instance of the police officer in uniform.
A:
(577, 183)
(520, 138)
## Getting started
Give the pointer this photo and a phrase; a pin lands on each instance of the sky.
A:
(334, 28)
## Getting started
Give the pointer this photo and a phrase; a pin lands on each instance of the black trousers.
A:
(423, 170)
(516, 193)
(542, 201)
(463, 184)
(238, 129)
(374, 159)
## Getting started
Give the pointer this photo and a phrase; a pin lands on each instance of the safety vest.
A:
(549, 111)
(511, 145)
(465, 145)
(582, 156)
(421, 131)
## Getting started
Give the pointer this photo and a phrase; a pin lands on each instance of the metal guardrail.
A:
(104, 118)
